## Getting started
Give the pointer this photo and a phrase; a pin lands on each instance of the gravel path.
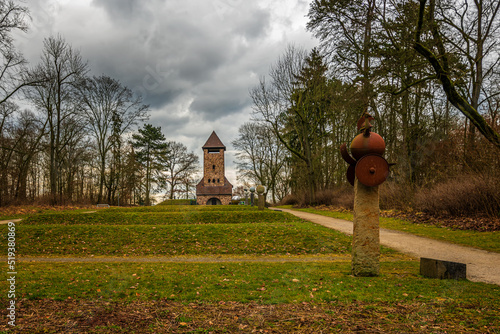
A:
(482, 266)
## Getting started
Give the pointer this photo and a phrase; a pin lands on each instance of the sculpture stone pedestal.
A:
(366, 234)
(261, 202)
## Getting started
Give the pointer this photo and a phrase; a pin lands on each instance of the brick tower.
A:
(214, 188)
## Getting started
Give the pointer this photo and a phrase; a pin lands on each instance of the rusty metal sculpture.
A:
(367, 163)
(367, 170)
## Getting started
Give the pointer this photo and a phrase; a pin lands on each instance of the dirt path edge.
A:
(482, 266)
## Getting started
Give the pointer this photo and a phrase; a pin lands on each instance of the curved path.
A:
(482, 266)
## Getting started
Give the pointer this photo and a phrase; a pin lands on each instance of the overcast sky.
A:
(193, 61)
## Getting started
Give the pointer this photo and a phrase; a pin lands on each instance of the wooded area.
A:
(427, 70)
(429, 74)
(65, 137)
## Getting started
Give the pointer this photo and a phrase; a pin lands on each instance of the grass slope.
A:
(105, 217)
(489, 241)
(140, 240)
(298, 297)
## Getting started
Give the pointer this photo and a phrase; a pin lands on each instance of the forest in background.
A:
(429, 74)
(428, 71)
(67, 137)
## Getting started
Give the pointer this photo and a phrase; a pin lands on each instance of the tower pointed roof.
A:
(214, 142)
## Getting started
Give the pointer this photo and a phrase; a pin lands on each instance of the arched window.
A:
(213, 181)
(213, 166)
(218, 180)
(209, 180)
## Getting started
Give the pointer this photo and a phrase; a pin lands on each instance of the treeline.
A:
(69, 137)
(428, 73)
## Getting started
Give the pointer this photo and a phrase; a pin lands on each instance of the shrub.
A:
(340, 197)
(289, 200)
(395, 196)
(466, 195)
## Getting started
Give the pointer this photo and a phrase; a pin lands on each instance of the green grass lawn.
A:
(189, 297)
(150, 240)
(127, 217)
(183, 208)
(34, 211)
(397, 301)
(243, 282)
(489, 241)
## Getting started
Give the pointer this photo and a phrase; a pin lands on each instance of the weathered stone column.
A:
(262, 200)
(366, 236)
(262, 203)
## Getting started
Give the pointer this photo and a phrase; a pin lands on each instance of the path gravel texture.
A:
(482, 266)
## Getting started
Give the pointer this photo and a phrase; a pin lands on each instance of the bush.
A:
(340, 198)
(466, 195)
(289, 200)
(395, 196)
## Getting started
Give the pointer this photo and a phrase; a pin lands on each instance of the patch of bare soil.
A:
(83, 316)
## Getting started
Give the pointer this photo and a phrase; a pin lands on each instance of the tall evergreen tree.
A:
(151, 149)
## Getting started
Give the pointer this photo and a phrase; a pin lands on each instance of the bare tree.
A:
(8, 146)
(60, 69)
(179, 166)
(475, 40)
(110, 110)
(12, 64)
(28, 133)
(261, 157)
(295, 106)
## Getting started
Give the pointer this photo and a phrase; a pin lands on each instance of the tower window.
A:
(213, 180)
(218, 180)
(209, 180)
(213, 166)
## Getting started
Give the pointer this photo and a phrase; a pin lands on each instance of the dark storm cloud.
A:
(213, 107)
(181, 47)
(122, 9)
(193, 61)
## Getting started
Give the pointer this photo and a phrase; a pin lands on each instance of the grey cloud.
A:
(193, 61)
(122, 9)
(212, 106)
(254, 24)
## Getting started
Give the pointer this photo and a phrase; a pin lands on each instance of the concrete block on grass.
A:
(433, 268)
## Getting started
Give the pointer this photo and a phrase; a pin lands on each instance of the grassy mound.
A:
(169, 240)
(178, 202)
(182, 208)
(160, 218)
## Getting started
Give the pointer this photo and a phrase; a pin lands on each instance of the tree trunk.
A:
(148, 182)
